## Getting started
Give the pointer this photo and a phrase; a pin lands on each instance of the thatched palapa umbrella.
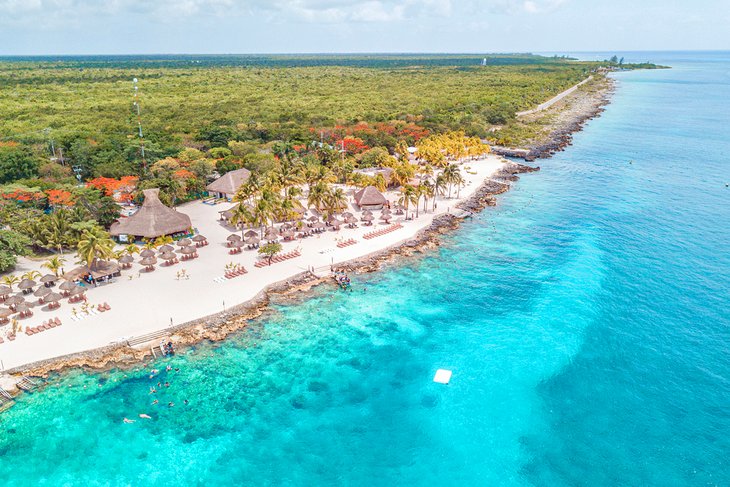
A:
(5, 290)
(184, 242)
(252, 241)
(14, 300)
(23, 310)
(251, 233)
(319, 226)
(49, 279)
(147, 253)
(4, 314)
(53, 298)
(26, 285)
(288, 233)
(168, 256)
(41, 292)
(149, 262)
(77, 290)
(313, 219)
(271, 234)
(126, 261)
(336, 223)
(166, 248)
(368, 219)
(67, 286)
(191, 250)
(199, 240)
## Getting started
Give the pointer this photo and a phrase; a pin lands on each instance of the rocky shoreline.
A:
(572, 114)
(218, 326)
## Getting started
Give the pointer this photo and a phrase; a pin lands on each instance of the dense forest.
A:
(69, 127)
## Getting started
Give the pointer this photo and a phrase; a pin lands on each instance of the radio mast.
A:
(139, 124)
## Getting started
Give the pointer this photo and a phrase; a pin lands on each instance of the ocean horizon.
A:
(584, 319)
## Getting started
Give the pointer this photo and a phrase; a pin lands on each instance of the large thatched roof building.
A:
(227, 185)
(152, 220)
(369, 198)
(99, 269)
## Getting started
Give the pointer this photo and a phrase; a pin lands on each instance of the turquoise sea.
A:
(586, 319)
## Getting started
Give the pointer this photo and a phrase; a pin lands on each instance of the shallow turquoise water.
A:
(585, 319)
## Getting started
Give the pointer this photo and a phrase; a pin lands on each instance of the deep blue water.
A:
(586, 320)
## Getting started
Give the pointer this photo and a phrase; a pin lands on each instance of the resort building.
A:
(98, 271)
(369, 198)
(152, 220)
(227, 185)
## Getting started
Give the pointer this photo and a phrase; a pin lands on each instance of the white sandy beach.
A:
(143, 303)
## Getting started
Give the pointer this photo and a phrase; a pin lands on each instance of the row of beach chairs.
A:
(378, 233)
(32, 330)
(230, 274)
(278, 258)
(346, 243)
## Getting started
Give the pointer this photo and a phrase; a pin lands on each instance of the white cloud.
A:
(38, 12)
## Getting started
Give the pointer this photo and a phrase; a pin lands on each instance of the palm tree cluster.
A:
(429, 187)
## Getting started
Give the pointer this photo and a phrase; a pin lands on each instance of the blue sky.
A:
(274, 26)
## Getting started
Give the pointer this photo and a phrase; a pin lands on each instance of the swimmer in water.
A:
(186, 402)
(168, 368)
(152, 390)
(127, 420)
(144, 416)
(155, 402)
(170, 404)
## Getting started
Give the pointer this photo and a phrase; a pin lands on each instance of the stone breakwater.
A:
(218, 326)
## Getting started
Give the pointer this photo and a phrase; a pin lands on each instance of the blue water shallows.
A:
(585, 319)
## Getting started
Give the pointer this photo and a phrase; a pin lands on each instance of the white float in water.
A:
(442, 376)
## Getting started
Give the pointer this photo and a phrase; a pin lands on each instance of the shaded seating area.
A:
(49, 280)
(98, 272)
(200, 241)
(152, 220)
(383, 231)
(369, 198)
(27, 285)
(189, 252)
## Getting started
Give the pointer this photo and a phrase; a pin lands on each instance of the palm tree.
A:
(317, 195)
(10, 281)
(408, 197)
(31, 275)
(335, 200)
(94, 246)
(439, 187)
(243, 216)
(163, 240)
(428, 191)
(452, 176)
(54, 264)
(131, 249)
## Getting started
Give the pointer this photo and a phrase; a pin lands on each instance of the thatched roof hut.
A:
(369, 198)
(97, 270)
(147, 253)
(5, 312)
(168, 256)
(228, 185)
(152, 220)
(185, 242)
(5, 290)
(166, 248)
(233, 237)
(199, 238)
(252, 241)
(251, 233)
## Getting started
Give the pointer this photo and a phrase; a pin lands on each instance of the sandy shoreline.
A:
(217, 326)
